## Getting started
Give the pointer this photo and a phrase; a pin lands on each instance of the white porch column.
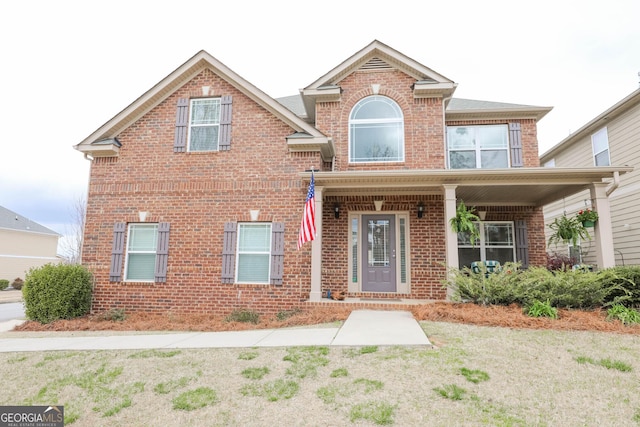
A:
(605, 256)
(450, 236)
(316, 252)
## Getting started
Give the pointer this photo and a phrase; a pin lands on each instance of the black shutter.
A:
(522, 243)
(115, 270)
(162, 252)
(225, 124)
(229, 253)
(182, 124)
(515, 141)
(277, 253)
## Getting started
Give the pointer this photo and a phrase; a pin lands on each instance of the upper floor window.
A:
(376, 131)
(204, 124)
(484, 146)
(600, 144)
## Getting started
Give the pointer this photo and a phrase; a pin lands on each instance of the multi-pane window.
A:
(254, 253)
(600, 143)
(204, 124)
(471, 147)
(496, 243)
(142, 243)
(376, 131)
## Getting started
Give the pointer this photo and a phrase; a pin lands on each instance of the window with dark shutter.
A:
(522, 243)
(225, 124)
(229, 253)
(182, 123)
(277, 253)
(117, 251)
(515, 141)
(162, 252)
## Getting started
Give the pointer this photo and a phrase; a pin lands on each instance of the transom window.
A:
(481, 147)
(142, 243)
(254, 253)
(600, 143)
(376, 131)
(496, 244)
(204, 124)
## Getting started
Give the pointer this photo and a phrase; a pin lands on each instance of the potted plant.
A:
(567, 230)
(464, 222)
(587, 217)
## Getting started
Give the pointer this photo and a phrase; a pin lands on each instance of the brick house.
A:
(197, 188)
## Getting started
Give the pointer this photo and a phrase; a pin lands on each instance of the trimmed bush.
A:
(624, 283)
(17, 283)
(565, 289)
(54, 292)
(4, 284)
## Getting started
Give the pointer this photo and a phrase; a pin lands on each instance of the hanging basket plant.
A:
(567, 230)
(587, 217)
(465, 222)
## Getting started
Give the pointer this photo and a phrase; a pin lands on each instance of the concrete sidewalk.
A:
(362, 328)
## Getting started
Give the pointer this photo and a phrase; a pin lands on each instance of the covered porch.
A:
(413, 207)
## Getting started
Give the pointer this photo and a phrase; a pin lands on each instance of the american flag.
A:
(308, 225)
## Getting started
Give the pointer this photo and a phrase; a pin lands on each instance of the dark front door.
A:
(379, 253)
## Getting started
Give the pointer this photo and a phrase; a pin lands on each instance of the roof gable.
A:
(378, 56)
(94, 143)
(374, 57)
(594, 124)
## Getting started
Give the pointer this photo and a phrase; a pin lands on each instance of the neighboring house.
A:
(24, 244)
(611, 138)
(197, 188)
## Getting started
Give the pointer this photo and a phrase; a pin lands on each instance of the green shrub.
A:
(481, 288)
(54, 292)
(624, 285)
(568, 289)
(17, 283)
(4, 284)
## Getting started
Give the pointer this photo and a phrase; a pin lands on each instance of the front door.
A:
(379, 253)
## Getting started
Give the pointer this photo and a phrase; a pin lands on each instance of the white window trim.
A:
(593, 148)
(481, 243)
(477, 148)
(127, 252)
(191, 102)
(239, 252)
(400, 120)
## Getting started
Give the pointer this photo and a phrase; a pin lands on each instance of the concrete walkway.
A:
(362, 328)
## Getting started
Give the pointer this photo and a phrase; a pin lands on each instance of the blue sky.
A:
(70, 66)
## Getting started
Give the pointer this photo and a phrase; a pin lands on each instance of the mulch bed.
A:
(491, 315)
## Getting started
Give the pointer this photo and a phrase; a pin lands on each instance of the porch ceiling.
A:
(521, 186)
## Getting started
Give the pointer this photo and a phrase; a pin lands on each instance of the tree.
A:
(72, 241)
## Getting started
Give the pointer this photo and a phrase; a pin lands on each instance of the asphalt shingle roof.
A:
(13, 221)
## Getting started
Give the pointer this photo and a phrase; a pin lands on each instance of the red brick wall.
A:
(423, 118)
(197, 193)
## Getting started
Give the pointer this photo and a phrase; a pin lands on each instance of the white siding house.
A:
(611, 138)
(24, 244)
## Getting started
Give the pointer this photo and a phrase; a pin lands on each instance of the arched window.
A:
(376, 131)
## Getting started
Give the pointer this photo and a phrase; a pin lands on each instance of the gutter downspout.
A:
(615, 184)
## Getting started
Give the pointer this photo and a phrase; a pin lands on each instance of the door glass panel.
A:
(379, 244)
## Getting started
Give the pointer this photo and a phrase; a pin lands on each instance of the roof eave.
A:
(536, 113)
